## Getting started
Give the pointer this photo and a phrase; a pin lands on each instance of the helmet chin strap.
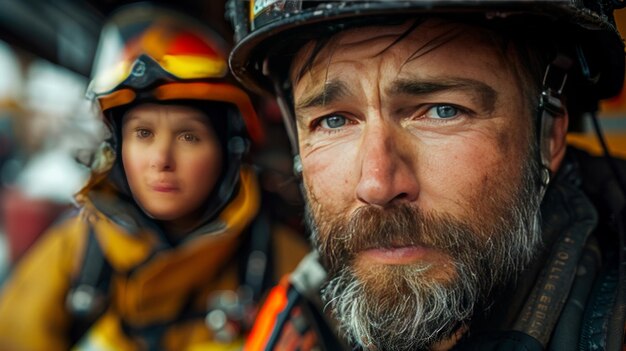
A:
(292, 133)
(281, 87)
(550, 107)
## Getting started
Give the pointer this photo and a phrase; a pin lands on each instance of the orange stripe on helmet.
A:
(223, 92)
(217, 92)
(265, 320)
(116, 98)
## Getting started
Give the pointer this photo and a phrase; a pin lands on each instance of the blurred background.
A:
(46, 124)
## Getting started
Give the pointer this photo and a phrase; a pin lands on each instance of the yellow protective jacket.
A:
(151, 284)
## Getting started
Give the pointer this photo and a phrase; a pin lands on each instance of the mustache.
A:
(402, 225)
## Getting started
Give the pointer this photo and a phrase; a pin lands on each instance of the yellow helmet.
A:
(147, 52)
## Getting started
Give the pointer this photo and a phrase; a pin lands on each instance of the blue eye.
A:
(332, 122)
(442, 112)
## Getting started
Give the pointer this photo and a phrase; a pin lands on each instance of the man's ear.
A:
(557, 142)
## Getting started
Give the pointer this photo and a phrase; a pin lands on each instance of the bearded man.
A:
(444, 203)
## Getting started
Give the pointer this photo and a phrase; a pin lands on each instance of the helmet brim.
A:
(247, 59)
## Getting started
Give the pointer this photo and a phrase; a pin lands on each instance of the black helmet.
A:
(585, 27)
(269, 32)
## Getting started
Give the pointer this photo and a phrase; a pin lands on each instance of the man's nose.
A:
(161, 155)
(387, 167)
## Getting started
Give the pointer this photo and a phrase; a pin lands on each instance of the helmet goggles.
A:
(148, 53)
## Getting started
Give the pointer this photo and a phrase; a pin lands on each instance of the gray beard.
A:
(401, 307)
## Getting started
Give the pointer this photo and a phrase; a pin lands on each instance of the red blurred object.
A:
(25, 219)
(270, 111)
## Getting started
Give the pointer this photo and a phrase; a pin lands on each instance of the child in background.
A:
(167, 251)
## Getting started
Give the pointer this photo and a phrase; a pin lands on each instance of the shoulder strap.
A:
(88, 295)
(256, 270)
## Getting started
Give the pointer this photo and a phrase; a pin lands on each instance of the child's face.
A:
(172, 159)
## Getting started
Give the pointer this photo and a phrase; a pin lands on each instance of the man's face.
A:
(420, 180)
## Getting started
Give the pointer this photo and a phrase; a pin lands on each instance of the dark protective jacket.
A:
(567, 299)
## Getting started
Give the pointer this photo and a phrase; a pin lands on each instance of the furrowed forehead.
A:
(314, 54)
(313, 59)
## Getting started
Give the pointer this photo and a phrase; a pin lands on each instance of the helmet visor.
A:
(181, 49)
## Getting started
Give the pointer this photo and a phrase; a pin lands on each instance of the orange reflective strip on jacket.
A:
(265, 321)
